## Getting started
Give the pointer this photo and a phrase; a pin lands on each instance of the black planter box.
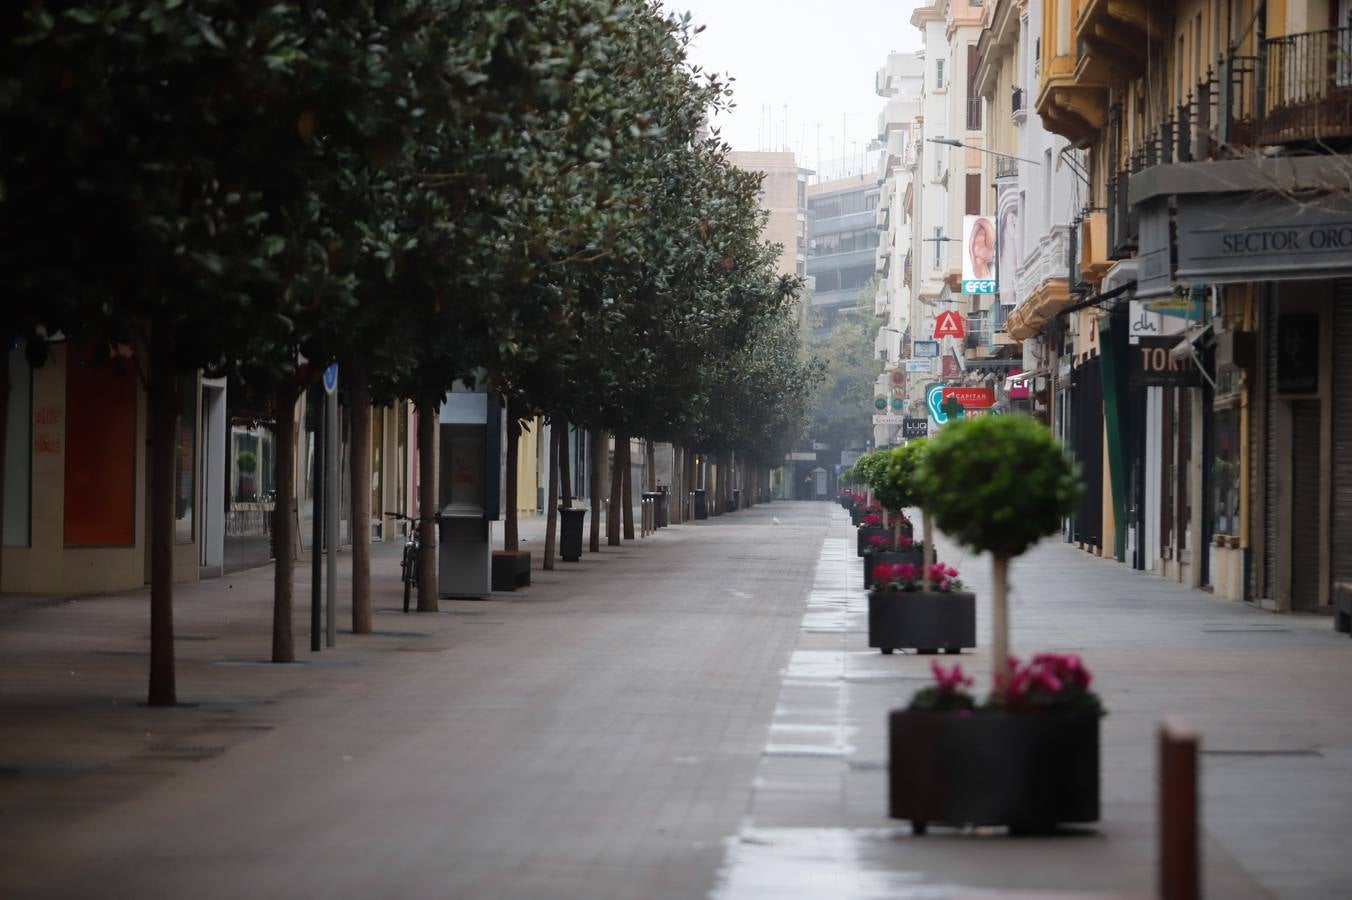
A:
(570, 533)
(924, 620)
(856, 514)
(1030, 772)
(867, 531)
(913, 555)
(511, 569)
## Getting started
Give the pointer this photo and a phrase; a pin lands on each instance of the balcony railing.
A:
(973, 113)
(1016, 102)
(1006, 167)
(1306, 86)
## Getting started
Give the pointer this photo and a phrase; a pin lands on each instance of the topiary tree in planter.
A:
(895, 484)
(999, 484)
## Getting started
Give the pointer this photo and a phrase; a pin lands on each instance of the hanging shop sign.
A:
(949, 324)
(978, 255)
(1255, 236)
(971, 397)
(1017, 386)
(924, 349)
(912, 428)
(950, 366)
(1150, 364)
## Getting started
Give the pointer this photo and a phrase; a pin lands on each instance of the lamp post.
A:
(954, 142)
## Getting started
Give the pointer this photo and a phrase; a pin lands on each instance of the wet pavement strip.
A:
(795, 841)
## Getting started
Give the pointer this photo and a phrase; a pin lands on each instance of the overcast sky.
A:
(817, 58)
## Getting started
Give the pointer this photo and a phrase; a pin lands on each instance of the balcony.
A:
(1095, 256)
(1006, 167)
(1018, 105)
(1113, 38)
(1305, 87)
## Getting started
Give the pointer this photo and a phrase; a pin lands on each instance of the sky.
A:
(818, 59)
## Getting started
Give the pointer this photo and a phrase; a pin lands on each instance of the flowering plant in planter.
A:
(1049, 683)
(882, 543)
(872, 518)
(906, 577)
(949, 693)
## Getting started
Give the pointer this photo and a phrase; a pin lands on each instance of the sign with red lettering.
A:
(971, 397)
(950, 366)
(949, 324)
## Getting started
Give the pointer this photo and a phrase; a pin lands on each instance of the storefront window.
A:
(1225, 473)
(185, 463)
(18, 448)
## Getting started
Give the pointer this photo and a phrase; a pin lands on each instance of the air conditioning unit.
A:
(1236, 348)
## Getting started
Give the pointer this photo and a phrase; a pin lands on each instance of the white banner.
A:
(978, 255)
(888, 420)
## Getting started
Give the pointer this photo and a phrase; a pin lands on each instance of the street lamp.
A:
(954, 142)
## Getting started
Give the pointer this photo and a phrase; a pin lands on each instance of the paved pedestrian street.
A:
(694, 714)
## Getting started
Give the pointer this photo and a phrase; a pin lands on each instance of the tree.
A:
(841, 406)
(999, 484)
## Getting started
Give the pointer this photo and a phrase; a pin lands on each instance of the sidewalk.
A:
(691, 713)
(1268, 694)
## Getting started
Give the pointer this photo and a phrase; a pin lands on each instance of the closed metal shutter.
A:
(1341, 536)
(1269, 417)
(1087, 430)
(1305, 494)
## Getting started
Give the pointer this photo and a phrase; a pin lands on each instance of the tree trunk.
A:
(4, 429)
(565, 492)
(511, 536)
(999, 619)
(613, 515)
(928, 557)
(650, 463)
(551, 498)
(627, 489)
(359, 393)
(674, 507)
(427, 504)
(163, 444)
(284, 525)
(598, 455)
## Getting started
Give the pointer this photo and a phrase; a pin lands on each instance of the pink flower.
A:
(904, 541)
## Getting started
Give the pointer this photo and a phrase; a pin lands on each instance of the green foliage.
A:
(841, 407)
(246, 462)
(998, 483)
(896, 482)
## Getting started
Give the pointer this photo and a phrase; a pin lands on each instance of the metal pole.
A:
(317, 521)
(333, 534)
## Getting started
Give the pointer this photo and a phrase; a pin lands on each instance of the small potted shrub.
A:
(1027, 758)
(922, 607)
(895, 486)
(886, 549)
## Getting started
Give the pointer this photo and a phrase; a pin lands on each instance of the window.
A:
(973, 191)
(938, 74)
(938, 163)
(185, 462)
(938, 245)
(846, 241)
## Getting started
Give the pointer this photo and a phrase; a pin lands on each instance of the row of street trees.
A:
(519, 195)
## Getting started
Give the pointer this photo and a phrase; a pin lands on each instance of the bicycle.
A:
(408, 564)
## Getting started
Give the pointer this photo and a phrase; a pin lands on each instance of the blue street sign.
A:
(331, 378)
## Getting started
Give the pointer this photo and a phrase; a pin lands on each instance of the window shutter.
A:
(973, 193)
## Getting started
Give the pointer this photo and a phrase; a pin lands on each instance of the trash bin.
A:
(663, 508)
(736, 498)
(656, 498)
(701, 503)
(570, 533)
